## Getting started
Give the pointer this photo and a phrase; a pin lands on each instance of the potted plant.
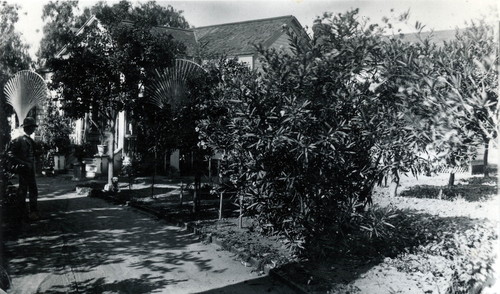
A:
(102, 149)
(130, 166)
(48, 165)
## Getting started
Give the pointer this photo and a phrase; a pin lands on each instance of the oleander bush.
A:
(304, 140)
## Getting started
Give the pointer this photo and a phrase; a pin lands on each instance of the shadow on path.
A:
(85, 245)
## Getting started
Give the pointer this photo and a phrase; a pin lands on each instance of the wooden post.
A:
(210, 169)
(182, 194)
(240, 220)
(220, 204)
(451, 179)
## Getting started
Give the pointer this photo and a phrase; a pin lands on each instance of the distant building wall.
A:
(477, 165)
(247, 59)
(283, 42)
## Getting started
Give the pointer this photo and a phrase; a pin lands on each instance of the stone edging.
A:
(245, 258)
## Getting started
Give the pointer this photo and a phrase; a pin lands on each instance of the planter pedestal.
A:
(96, 166)
(90, 168)
(59, 162)
(102, 150)
(78, 171)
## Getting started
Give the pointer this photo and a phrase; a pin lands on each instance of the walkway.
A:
(85, 245)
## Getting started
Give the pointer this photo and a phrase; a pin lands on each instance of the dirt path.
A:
(418, 273)
(85, 245)
(488, 209)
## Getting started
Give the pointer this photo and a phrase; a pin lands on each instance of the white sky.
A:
(435, 14)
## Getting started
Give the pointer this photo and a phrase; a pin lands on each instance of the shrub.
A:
(305, 139)
(296, 140)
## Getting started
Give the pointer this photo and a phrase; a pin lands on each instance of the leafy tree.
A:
(149, 12)
(102, 69)
(55, 129)
(454, 88)
(468, 72)
(13, 58)
(61, 20)
(171, 123)
(399, 110)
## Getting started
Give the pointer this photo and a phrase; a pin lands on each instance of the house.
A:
(437, 37)
(236, 40)
(231, 40)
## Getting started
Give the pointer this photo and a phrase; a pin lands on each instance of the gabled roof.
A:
(229, 39)
(185, 36)
(240, 37)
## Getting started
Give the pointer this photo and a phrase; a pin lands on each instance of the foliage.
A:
(13, 58)
(169, 123)
(55, 130)
(103, 68)
(305, 140)
(46, 156)
(472, 79)
(60, 17)
(377, 222)
(63, 17)
(130, 167)
(297, 138)
(84, 150)
(457, 82)
(470, 192)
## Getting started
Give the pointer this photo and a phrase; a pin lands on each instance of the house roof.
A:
(438, 37)
(185, 36)
(231, 39)
(240, 37)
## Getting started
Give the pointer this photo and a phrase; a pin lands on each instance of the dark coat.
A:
(21, 152)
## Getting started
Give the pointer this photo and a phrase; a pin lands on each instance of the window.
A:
(248, 59)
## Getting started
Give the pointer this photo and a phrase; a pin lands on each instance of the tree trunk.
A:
(197, 181)
(181, 196)
(220, 204)
(240, 219)
(3, 131)
(451, 180)
(196, 195)
(210, 169)
(154, 174)
(395, 181)
(485, 158)
(166, 163)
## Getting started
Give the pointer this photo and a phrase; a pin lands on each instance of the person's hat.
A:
(29, 121)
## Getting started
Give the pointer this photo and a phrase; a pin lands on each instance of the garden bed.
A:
(437, 246)
(425, 252)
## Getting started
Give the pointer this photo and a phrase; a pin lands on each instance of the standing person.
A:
(21, 152)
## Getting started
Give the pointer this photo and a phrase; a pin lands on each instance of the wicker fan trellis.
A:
(25, 90)
(169, 86)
